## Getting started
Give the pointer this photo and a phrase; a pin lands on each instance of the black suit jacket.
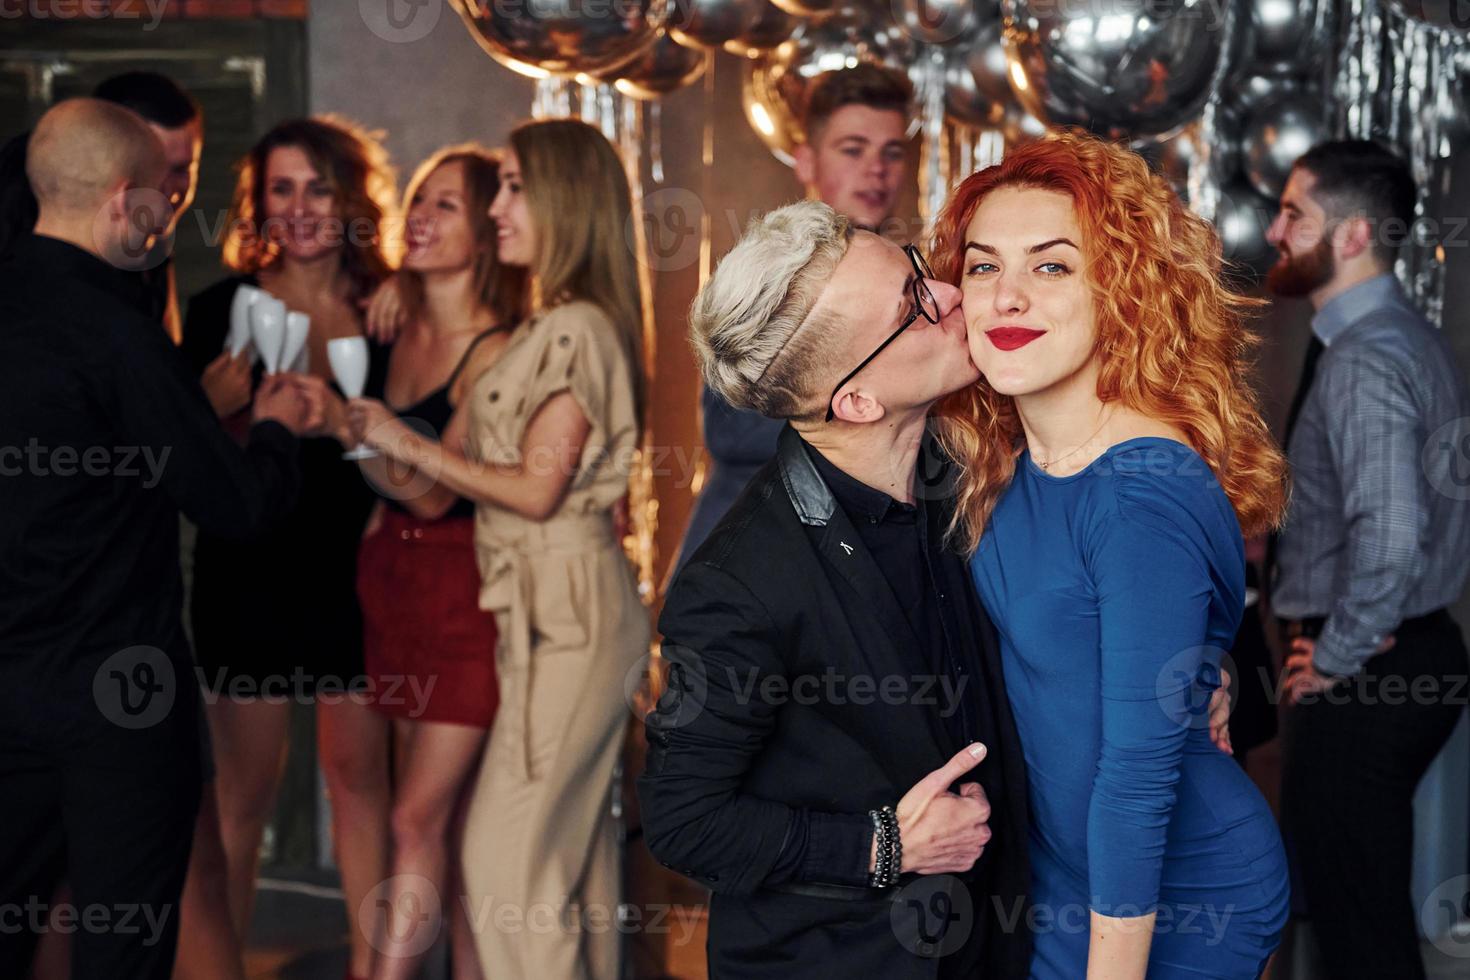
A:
(780, 634)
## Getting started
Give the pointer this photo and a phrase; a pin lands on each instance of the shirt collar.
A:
(1345, 309)
(856, 497)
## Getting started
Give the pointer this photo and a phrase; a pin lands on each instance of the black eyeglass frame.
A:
(921, 292)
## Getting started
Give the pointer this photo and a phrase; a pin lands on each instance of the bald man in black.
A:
(105, 437)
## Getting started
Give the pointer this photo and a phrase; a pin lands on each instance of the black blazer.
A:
(740, 752)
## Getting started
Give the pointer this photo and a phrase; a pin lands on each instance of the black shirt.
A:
(105, 437)
(921, 573)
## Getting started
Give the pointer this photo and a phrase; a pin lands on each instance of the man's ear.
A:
(806, 165)
(858, 407)
(1353, 237)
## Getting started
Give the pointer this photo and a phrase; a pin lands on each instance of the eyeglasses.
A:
(925, 305)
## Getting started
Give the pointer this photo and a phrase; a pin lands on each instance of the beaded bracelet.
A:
(889, 850)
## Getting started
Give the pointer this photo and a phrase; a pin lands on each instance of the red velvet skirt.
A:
(427, 646)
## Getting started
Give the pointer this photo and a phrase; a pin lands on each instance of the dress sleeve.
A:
(580, 352)
(1149, 558)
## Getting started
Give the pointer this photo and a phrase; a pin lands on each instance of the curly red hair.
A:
(1170, 335)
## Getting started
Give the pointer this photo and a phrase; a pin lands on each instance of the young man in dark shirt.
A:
(827, 656)
(104, 440)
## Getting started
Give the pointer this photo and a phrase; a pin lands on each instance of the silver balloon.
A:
(942, 22)
(1022, 127)
(991, 70)
(562, 37)
(1174, 156)
(1290, 36)
(987, 59)
(1241, 219)
(807, 8)
(711, 23)
(663, 68)
(775, 86)
(1245, 94)
(1279, 131)
(964, 102)
(771, 29)
(1108, 67)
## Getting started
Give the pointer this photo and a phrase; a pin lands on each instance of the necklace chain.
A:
(1050, 463)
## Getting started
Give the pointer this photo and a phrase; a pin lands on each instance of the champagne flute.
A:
(349, 359)
(294, 356)
(268, 330)
(239, 334)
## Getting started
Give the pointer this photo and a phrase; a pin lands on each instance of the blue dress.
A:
(1116, 592)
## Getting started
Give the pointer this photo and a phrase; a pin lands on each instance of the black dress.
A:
(278, 616)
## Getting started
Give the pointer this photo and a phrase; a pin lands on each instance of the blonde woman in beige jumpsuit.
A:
(553, 429)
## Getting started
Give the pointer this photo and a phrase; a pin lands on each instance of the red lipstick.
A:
(1012, 338)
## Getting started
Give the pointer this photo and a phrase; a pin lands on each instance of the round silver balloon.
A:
(1105, 66)
(663, 68)
(807, 8)
(1275, 134)
(1241, 220)
(1176, 155)
(942, 22)
(1245, 94)
(711, 23)
(562, 37)
(775, 85)
(991, 70)
(964, 103)
(1022, 127)
(1242, 40)
(986, 56)
(772, 28)
(1290, 36)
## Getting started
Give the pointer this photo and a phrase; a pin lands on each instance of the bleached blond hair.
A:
(757, 343)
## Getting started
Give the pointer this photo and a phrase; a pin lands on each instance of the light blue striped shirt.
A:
(1378, 529)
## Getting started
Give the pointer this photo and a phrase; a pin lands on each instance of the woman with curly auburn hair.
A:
(277, 619)
(1110, 457)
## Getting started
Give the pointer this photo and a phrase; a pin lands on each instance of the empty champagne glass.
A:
(239, 334)
(348, 357)
(268, 330)
(293, 352)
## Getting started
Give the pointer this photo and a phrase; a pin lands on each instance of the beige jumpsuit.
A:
(541, 860)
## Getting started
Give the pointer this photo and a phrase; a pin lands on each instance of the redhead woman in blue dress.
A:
(1112, 457)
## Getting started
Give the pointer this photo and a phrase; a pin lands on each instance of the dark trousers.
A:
(111, 812)
(1353, 758)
